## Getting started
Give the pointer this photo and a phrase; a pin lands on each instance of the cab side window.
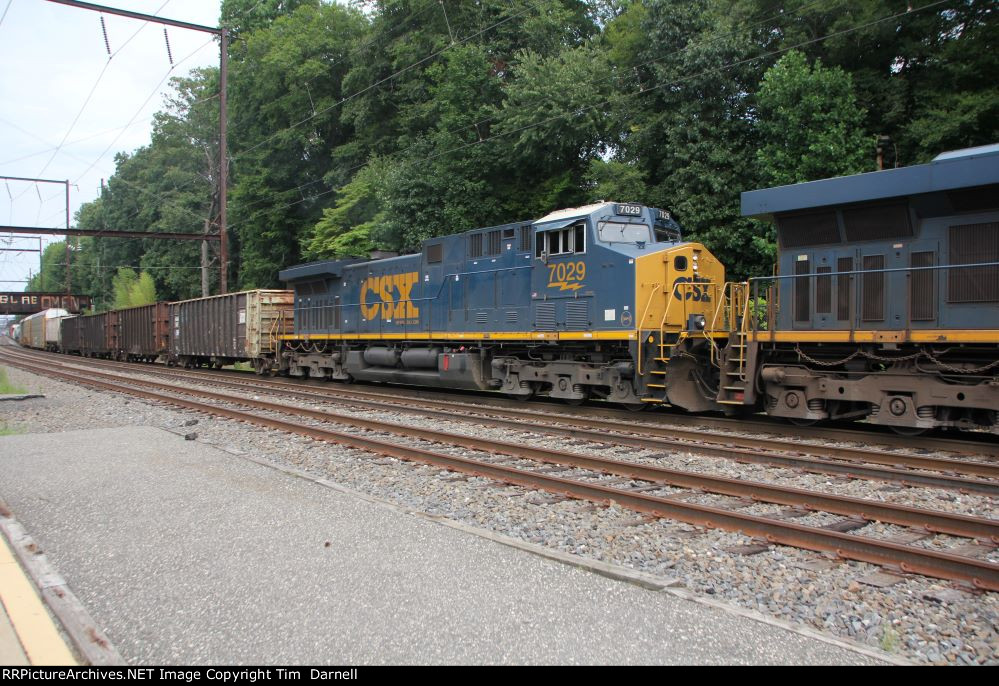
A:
(566, 241)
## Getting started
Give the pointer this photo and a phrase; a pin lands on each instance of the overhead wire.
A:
(5, 9)
(93, 88)
(390, 77)
(151, 95)
(409, 18)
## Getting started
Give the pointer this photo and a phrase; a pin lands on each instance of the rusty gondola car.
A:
(235, 327)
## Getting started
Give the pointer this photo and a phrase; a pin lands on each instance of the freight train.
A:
(884, 307)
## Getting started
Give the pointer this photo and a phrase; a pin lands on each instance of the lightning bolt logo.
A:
(565, 285)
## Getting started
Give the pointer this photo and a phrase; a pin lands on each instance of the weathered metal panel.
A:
(237, 326)
(97, 334)
(69, 334)
(145, 330)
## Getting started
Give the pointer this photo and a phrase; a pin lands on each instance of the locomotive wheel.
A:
(909, 431)
(798, 421)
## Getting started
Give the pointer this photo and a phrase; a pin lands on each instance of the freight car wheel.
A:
(635, 407)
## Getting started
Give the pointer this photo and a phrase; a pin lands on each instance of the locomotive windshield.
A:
(621, 232)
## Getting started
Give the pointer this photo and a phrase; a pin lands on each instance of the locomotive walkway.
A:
(184, 553)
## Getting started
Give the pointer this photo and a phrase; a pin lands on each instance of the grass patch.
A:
(889, 639)
(8, 431)
(6, 387)
(243, 366)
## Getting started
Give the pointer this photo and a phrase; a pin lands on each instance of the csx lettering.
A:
(693, 292)
(389, 296)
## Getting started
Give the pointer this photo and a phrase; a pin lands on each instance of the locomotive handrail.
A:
(648, 303)
(874, 271)
(682, 287)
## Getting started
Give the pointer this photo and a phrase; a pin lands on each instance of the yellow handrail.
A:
(641, 342)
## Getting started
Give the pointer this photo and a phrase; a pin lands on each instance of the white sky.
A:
(51, 56)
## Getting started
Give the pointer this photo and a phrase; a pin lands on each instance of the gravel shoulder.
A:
(915, 618)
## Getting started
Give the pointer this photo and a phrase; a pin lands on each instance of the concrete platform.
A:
(28, 634)
(183, 553)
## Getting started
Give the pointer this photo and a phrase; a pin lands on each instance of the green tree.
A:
(285, 88)
(809, 124)
(132, 290)
(690, 130)
(615, 180)
(345, 228)
(143, 292)
(124, 282)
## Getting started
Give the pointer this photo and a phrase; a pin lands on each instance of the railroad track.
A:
(901, 468)
(604, 480)
(986, 445)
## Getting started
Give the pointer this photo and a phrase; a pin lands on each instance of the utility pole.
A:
(223, 35)
(68, 291)
(223, 161)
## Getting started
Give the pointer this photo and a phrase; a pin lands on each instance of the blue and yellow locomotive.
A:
(886, 307)
(588, 302)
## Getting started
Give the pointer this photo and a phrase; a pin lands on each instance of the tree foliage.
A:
(380, 123)
(809, 124)
(131, 289)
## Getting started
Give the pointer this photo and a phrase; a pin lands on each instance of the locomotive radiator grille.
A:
(577, 315)
(545, 317)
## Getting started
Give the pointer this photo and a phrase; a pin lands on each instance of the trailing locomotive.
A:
(886, 307)
(590, 302)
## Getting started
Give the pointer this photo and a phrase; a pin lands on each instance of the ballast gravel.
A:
(922, 619)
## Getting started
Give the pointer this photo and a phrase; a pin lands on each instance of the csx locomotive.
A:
(886, 307)
(590, 302)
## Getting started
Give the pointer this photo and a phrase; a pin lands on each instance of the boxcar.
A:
(229, 328)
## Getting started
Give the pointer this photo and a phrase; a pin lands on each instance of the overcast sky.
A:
(52, 57)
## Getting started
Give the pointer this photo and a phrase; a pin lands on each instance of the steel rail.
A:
(663, 420)
(666, 427)
(930, 520)
(924, 561)
(754, 454)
